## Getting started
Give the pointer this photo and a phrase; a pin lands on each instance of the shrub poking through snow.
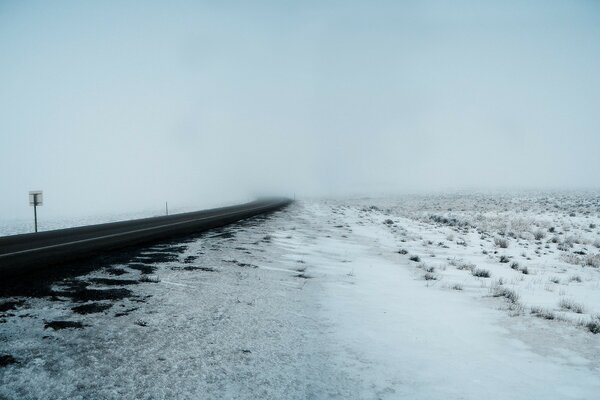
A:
(542, 313)
(465, 266)
(481, 273)
(571, 259)
(501, 242)
(555, 279)
(415, 258)
(524, 271)
(402, 251)
(594, 325)
(575, 278)
(456, 286)
(539, 235)
(514, 265)
(440, 219)
(570, 305)
(430, 276)
(592, 260)
(562, 246)
(504, 259)
(510, 295)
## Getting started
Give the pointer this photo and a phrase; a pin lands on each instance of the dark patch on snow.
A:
(157, 257)
(149, 279)
(85, 294)
(114, 282)
(7, 359)
(125, 312)
(224, 235)
(241, 264)
(267, 238)
(115, 271)
(206, 269)
(189, 259)
(58, 325)
(141, 300)
(304, 276)
(177, 249)
(143, 268)
(11, 305)
(91, 308)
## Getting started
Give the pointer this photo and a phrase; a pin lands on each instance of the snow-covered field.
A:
(361, 299)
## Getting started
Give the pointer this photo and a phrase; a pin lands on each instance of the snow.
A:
(332, 310)
(435, 343)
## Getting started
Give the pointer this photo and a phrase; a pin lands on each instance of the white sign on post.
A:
(36, 198)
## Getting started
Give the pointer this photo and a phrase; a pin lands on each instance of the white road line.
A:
(128, 232)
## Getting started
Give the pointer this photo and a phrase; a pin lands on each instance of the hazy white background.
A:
(117, 106)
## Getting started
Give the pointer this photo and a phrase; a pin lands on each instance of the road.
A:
(28, 253)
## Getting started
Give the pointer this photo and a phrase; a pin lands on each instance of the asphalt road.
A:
(28, 253)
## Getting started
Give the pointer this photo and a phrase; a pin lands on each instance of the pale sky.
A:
(115, 106)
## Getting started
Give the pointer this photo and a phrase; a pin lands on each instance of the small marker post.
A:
(35, 199)
(166, 208)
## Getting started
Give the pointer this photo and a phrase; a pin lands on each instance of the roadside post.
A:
(35, 199)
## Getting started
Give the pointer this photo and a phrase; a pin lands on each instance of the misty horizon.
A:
(111, 107)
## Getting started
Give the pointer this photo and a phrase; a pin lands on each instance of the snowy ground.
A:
(318, 301)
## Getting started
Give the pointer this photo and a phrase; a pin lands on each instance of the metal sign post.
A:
(36, 198)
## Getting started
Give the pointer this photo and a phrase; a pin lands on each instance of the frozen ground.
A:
(318, 301)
